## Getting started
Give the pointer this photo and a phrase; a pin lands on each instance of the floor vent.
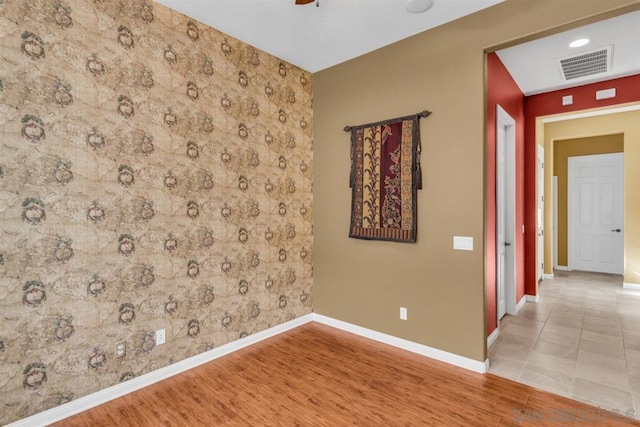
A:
(586, 64)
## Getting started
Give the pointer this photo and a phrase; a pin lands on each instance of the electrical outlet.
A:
(121, 349)
(403, 313)
(161, 336)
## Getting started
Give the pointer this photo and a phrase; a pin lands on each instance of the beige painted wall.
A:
(442, 70)
(562, 150)
(628, 124)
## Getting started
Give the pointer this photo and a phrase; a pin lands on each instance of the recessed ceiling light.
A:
(578, 43)
(419, 6)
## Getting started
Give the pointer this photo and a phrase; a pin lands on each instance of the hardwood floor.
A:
(316, 375)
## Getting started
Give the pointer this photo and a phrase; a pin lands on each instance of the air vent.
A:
(587, 63)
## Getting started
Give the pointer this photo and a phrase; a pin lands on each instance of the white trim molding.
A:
(521, 303)
(87, 402)
(562, 268)
(548, 276)
(532, 298)
(433, 353)
(631, 286)
(493, 337)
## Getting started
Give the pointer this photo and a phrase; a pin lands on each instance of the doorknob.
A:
(617, 230)
(507, 244)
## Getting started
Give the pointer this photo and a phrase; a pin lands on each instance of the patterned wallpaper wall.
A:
(154, 173)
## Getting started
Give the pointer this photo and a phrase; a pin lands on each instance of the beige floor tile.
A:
(563, 330)
(605, 397)
(546, 387)
(597, 360)
(605, 277)
(528, 330)
(634, 380)
(601, 338)
(592, 313)
(519, 320)
(598, 321)
(611, 330)
(582, 340)
(568, 322)
(505, 366)
(633, 358)
(534, 316)
(631, 340)
(558, 350)
(628, 323)
(547, 379)
(604, 376)
(558, 338)
(514, 350)
(579, 276)
(572, 304)
(602, 295)
(551, 363)
(609, 350)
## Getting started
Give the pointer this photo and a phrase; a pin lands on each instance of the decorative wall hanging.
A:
(385, 177)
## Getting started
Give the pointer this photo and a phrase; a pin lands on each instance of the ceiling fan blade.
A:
(304, 1)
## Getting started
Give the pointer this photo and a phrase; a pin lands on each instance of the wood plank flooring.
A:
(316, 375)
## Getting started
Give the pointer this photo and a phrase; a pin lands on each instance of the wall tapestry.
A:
(385, 177)
(154, 173)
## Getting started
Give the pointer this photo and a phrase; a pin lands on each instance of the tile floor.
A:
(581, 340)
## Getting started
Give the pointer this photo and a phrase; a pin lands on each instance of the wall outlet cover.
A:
(121, 349)
(161, 336)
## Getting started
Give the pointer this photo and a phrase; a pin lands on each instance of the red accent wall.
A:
(584, 97)
(503, 90)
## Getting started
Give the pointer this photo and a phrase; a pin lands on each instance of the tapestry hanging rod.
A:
(421, 114)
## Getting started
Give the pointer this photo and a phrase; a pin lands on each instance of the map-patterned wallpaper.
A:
(154, 173)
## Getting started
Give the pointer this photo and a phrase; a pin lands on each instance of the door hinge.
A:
(542, 199)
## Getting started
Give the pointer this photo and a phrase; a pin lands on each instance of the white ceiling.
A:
(534, 67)
(315, 38)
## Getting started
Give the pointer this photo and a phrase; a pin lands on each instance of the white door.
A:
(501, 226)
(540, 212)
(505, 212)
(596, 238)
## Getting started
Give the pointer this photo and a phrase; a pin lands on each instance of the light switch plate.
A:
(462, 243)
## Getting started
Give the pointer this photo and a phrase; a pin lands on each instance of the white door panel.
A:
(505, 213)
(596, 241)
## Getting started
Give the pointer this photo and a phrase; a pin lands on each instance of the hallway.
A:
(582, 341)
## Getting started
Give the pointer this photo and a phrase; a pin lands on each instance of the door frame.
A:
(540, 209)
(570, 207)
(507, 123)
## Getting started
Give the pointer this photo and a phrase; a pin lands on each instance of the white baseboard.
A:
(548, 276)
(82, 404)
(631, 286)
(520, 303)
(562, 268)
(433, 353)
(493, 337)
(532, 298)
